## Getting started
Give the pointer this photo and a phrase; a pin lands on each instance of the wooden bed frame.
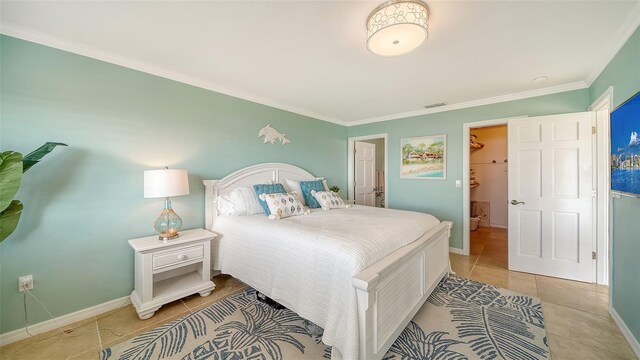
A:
(389, 292)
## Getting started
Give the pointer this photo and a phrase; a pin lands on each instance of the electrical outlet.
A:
(25, 283)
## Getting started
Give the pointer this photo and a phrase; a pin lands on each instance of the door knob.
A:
(516, 202)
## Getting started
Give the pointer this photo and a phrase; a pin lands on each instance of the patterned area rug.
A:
(463, 319)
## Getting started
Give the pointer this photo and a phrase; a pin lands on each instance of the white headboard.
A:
(249, 176)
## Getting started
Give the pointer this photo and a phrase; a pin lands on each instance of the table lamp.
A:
(166, 183)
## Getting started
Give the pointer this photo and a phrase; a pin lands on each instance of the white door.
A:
(365, 171)
(551, 196)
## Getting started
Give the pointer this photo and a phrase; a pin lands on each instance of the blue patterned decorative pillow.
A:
(268, 189)
(307, 187)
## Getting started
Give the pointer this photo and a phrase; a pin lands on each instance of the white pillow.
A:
(328, 200)
(225, 206)
(246, 202)
(284, 205)
(240, 201)
(294, 186)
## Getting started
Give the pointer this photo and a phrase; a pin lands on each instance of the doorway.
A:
(466, 176)
(488, 184)
(551, 193)
(367, 170)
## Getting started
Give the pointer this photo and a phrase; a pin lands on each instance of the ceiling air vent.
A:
(435, 105)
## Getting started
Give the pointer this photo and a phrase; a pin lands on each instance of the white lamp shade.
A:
(397, 27)
(165, 183)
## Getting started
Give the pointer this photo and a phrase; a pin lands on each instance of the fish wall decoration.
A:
(271, 135)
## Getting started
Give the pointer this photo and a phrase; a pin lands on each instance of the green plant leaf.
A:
(9, 219)
(10, 176)
(33, 157)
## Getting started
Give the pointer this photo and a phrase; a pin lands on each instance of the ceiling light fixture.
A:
(397, 27)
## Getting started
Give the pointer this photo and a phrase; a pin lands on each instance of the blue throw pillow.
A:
(268, 189)
(307, 187)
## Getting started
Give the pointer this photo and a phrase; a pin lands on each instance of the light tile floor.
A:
(576, 316)
(110, 328)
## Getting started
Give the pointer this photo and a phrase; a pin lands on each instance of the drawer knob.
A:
(182, 257)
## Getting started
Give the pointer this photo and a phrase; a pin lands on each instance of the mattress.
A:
(306, 262)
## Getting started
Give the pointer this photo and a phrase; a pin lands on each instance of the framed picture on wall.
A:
(625, 147)
(424, 157)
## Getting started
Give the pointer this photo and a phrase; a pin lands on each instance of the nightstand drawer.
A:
(179, 256)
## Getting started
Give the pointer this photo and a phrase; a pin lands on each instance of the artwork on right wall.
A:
(625, 147)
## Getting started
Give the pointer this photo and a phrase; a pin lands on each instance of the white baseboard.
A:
(456, 250)
(633, 342)
(498, 226)
(39, 328)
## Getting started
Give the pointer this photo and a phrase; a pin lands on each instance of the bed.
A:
(360, 273)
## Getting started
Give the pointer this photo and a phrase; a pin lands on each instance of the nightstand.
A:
(170, 270)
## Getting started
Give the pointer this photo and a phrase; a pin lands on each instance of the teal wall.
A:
(623, 73)
(442, 198)
(83, 202)
(625, 284)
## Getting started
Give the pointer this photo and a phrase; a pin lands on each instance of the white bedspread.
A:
(306, 262)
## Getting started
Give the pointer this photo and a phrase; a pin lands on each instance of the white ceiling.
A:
(310, 56)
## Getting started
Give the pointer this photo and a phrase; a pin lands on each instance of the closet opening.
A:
(488, 195)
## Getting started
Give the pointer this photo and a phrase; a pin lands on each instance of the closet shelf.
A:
(474, 145)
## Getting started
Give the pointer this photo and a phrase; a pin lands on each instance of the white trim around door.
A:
(466, 191)
(602, 178)
(350, 164)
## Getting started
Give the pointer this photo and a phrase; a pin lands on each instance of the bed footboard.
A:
(391, 291)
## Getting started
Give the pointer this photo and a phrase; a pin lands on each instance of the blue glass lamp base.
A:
(168, 223)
